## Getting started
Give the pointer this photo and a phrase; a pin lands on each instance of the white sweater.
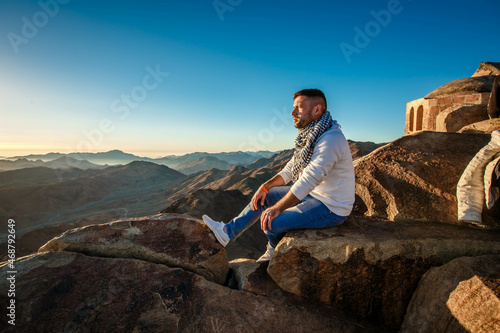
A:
(329, 176)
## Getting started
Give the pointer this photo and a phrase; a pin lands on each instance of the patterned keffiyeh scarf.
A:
(306, 141)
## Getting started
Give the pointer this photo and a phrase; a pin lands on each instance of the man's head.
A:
(308, 105)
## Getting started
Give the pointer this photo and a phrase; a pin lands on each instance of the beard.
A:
(303, 121)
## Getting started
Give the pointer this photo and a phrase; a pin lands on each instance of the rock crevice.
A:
(174, 240)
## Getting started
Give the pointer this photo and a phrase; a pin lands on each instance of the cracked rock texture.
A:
(415, 178)
(171, 239)
(72, 292)
(369, 267)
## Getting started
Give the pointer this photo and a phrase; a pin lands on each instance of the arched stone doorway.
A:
(411, 120)
(420, 118)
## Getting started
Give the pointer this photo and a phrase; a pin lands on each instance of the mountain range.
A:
(63, 162)
(201, 164)
(114, 157)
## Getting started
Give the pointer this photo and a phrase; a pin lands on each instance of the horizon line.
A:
(4, 154)
(135, 154)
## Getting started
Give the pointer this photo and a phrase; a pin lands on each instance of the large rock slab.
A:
(371, 268)
(415, 177)
(252, 276)
(459, 115)
(468, 85)
(170, 239)
(460, 296)
(485, 126)
(71, 292)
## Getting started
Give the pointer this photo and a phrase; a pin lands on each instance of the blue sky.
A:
(171, 77)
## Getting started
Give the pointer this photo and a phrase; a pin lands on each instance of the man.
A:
(322, 194)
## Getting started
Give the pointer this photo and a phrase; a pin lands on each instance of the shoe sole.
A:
(263, 260)
(221, 241)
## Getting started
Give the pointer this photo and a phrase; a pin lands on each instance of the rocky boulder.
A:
(460, 296)
(414, 178)
(459, 115)
(468, 85)
(369, 267)
(71, 292)
(485, 126)
(173, 240)
(252, 276)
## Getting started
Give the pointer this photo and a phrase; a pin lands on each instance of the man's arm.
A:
(261, 194)
(289, 200)
(283, 177)
(277, 180)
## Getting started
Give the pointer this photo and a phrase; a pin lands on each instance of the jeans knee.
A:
(268, 233)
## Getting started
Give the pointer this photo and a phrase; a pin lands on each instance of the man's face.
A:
(302, 111)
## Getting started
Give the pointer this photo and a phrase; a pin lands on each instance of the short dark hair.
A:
(313, 93)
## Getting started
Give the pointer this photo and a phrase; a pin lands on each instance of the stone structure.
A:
(454, 105)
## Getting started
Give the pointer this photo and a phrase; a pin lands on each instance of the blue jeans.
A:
(308, 213)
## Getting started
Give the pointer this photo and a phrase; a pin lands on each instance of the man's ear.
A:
(317, 109)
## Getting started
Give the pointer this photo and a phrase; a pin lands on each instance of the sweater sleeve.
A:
(286, 173)
(327, 152)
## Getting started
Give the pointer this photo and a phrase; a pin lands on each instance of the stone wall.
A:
(421, 114)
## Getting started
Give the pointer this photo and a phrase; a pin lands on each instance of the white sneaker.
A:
(218, 230)
(266, 256)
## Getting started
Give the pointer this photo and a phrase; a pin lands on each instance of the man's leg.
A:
(248, 216)
(310, 213)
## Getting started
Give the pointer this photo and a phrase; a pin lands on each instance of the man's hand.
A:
(289, 200)
(259, 195)
(268, 216)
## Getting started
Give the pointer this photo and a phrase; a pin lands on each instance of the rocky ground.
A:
(165, 273)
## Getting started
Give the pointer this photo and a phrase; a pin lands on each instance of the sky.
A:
(156, 78)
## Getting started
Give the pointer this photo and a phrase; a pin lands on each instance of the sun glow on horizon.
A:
(11, 150)
(19, 150)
